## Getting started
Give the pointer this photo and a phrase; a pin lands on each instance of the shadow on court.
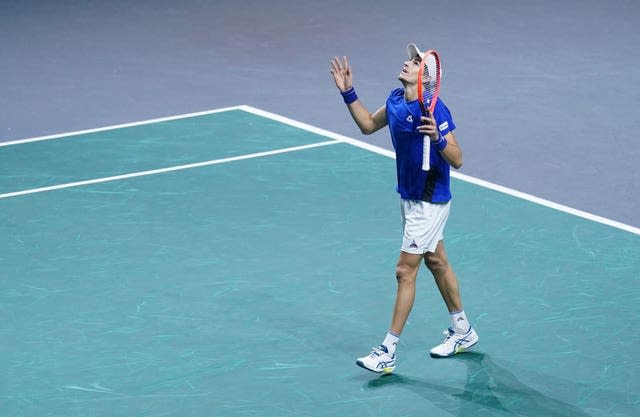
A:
(489, 390)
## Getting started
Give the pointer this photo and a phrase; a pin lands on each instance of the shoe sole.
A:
(386, 370)
(458, 350)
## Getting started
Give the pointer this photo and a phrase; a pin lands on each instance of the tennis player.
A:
(425, 202)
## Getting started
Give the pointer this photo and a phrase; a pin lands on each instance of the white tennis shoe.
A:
(379, 360)
(454, 343)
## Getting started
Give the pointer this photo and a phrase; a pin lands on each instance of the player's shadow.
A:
(488, 386)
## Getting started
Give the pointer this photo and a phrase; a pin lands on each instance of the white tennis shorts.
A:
(423, 224)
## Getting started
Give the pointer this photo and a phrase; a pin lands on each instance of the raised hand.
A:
(341, 71)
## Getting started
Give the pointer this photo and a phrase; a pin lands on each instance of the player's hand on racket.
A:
(429, 127)
(341, 71)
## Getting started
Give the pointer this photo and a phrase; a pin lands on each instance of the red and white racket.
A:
(428, 90)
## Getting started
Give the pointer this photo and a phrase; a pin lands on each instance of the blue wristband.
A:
(440, 144)
(349, 96)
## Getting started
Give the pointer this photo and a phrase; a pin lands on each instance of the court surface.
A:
(234, 263)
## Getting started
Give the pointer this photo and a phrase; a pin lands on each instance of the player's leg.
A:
(406, 275)
(461, 335)
(383, 357)
(445, 277)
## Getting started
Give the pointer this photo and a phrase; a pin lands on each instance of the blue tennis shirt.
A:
(403, 119)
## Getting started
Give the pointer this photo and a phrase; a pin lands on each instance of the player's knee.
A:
(435, 262)
(404, 273)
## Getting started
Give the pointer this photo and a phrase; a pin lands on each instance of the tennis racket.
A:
(429, 76)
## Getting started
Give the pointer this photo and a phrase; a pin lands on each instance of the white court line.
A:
(168, 169)
(120, 126)
(312, 129)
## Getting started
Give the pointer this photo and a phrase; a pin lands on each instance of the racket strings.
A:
(429, 79)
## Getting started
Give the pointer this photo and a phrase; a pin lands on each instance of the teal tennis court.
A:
(235, 263)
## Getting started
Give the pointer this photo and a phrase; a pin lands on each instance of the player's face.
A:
(410, 68)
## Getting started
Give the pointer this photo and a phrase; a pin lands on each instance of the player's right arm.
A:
(366, 121)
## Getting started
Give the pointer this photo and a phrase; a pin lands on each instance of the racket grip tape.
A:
(426, 153)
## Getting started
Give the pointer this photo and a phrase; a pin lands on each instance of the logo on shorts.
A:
(413, 245)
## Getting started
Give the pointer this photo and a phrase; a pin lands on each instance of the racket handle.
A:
(426, 153)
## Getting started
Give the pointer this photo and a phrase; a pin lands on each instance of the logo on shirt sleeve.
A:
(443, 126)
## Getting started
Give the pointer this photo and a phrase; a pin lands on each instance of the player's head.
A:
(409, 73)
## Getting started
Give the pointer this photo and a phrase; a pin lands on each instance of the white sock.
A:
(459, 322)
(391, 341)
